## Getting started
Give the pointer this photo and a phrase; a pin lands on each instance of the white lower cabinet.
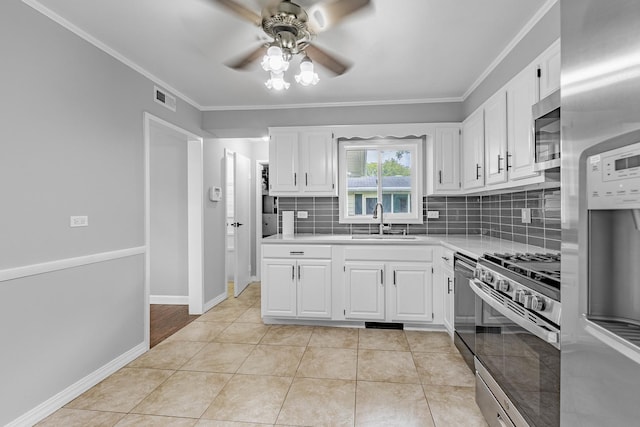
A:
(411, 292)
(294, 287)
(447, 277)
(364, 291)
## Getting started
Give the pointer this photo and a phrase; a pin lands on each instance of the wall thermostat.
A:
(215, 194)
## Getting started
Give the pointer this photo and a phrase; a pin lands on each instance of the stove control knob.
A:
(478, 273)
(488, 277)
(537, 303)
(520, 296)
(503, 285)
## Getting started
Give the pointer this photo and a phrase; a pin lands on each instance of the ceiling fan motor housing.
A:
(286, 22)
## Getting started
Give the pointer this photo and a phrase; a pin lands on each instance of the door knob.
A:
(236, 224)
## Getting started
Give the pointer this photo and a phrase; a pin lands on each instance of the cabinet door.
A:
(314, 288)
(411, 297)
(447, 159)
(549, 66)
(316, 161)
(279, 288)
(495, 138)
(364, 291)
(283, 162)
(449, 298)
(473, 151)
(521, 95)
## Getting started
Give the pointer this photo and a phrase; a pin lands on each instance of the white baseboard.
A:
(169, 299)
(56, 402)
(253, 279)
(217, 300)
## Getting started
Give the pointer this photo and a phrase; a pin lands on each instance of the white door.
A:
(521, 95)
(242, 222)
(412, 292)
(316, 155)
(364, 289)
(473, 151)
(449, 298)
(283, 162)
(314, 288)
(447, 157)
(495, 138)
(279, 288)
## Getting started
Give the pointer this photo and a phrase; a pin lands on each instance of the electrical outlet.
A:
(433, 214)
(303, 214)
(78, 221)
(526, 215)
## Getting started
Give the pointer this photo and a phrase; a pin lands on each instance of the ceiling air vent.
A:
(164, 98)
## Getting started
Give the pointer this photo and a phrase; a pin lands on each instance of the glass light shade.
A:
(277, 82)
(307, 76)
(274, 60)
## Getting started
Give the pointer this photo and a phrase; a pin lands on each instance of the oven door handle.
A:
(546, 334)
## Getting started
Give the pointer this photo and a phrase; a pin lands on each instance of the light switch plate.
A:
(303, 214)
(433, 214)
(526, 215)
(79, 221)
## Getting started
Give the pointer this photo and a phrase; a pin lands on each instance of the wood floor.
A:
(166, 320)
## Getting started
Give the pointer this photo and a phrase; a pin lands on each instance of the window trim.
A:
(413, 144)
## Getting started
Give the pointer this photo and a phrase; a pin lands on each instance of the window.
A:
(386, 170)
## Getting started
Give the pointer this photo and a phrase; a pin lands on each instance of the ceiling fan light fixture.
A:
(274, 60)
(276, 82)
(307, 75)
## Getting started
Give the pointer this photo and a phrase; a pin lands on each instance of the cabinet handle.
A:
(381, 277)
(295, 179)
(445, 258)
(296, 252)
(440, 176)
(508, 163)
(394, 278)
(499, 160)
(293, 272)
(306, 179)
(298, 272)
(478, 171)
(448, 285)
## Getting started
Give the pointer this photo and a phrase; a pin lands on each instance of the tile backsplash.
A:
(494, 215)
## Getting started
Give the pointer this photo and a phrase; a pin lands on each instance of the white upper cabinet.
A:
(302, 162)
(495, 138)
(443, 162)
(548, 65)
(472, 158)
(521, 95)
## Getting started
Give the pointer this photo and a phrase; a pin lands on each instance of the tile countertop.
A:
(473, 246)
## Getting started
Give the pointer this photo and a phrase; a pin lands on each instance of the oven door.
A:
(524, 367)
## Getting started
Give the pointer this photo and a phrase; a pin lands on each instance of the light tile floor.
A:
(229, 369)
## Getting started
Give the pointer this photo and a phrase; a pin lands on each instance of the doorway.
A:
(238, 220)
(173, 217)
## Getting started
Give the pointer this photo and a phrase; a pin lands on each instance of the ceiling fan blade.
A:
(241, 10)
(246, 60)
(327, 60)
(328, 13)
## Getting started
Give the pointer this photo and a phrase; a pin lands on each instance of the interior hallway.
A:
(227, 368)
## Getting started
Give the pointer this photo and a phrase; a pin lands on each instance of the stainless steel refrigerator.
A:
(600, 116)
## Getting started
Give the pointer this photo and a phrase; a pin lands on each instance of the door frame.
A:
(195, 225)
(259, 167)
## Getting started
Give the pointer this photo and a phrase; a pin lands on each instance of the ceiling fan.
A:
(290, 31)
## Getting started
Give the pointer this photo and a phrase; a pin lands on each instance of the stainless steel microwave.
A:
(546, 132)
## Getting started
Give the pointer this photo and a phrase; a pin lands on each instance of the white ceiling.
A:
(401, 50)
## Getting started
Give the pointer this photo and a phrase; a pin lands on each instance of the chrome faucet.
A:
(375, 216)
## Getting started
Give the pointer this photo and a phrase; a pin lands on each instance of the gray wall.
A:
(539, 38)
(254, 123)
(168, 240)
(71, 143)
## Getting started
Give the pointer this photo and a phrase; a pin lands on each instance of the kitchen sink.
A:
(382, 236)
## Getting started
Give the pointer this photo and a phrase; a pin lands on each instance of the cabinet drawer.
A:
(389, 253)
(447, 257)
(296, 251)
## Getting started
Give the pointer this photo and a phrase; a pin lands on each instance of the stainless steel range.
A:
(517, 334)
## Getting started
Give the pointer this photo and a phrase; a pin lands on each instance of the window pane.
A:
(362, 180)
(396, 180)
(371, 205)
